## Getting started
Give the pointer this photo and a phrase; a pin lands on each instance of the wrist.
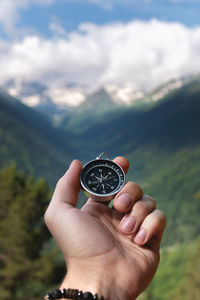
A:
(97, 281)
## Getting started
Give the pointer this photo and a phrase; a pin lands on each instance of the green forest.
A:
(25, 268)
(162, 142)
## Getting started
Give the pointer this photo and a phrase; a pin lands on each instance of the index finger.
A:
(123, 162)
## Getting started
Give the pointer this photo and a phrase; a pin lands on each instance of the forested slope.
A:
(29, 140)
(162, 142)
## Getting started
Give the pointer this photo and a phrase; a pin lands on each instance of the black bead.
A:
(49, 296)
(57, 294)
(75, 293)
(80, 295)
(70, 293)
(64, 293)
(87, 296)
(95, 297)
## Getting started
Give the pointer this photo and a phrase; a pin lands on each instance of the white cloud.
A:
(143, 53)
(109, 4)
(64, 96)
(9, 12)
(57, 29)
(43, 2)
(125, 93)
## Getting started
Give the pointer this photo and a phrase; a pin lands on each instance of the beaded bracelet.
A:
(72, 294)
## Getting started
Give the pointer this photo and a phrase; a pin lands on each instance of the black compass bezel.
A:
(105, 163)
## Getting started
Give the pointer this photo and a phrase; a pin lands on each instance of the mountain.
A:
(162, 141)
(170, 123)
(51, 109)
(34, 93)
(160, 138)
(29, 139)
(96, 106)
(59, 103)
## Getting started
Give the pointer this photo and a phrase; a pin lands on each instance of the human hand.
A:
(104, 252)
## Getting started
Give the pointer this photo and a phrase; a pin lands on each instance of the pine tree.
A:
(25, 268)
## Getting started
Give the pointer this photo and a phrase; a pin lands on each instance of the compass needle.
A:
(102, 178)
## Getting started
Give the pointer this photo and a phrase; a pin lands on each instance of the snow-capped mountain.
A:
(57, 100)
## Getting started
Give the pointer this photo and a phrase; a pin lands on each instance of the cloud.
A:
(57, 29)
(110, 4)
(145, 54)
(9, 12)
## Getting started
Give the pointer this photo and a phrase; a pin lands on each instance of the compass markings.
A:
(104, 177)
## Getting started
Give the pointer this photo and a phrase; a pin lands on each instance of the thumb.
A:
(64, 198)
(68, 186)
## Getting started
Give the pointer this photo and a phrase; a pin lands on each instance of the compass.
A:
(101, 179)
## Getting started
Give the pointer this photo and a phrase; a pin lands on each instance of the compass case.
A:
(102, 179)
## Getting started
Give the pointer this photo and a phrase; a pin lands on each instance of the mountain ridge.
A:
(72, 96)
(29, 139)
(161, 140)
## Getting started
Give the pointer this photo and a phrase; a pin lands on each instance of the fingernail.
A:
(127, 225)
(140, 236)
(124, 200)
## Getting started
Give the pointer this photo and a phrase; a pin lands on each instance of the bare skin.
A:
(110, 251)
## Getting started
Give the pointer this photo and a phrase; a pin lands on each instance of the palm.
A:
(94, 235)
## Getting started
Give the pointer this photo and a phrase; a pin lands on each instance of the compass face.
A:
(102, 177)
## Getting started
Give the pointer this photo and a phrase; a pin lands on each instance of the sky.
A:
(62, 49)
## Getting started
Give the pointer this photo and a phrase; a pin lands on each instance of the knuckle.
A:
(63, 181)
(139, 190)
(60, 181)
(148, 197)
(145, 206)
(136, 188)
(153, 202)
(161, 218)
(150, 200)
(141, 208)
(48, 217)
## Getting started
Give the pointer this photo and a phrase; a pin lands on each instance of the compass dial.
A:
(102, 177)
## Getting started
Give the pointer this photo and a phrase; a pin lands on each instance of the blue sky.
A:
(70, 14)
(72, 47)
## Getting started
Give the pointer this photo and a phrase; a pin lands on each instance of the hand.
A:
(112, 252)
